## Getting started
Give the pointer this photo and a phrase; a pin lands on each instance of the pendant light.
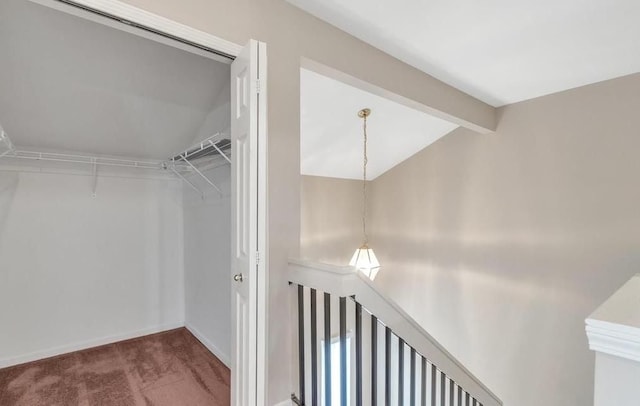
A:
(364, 259)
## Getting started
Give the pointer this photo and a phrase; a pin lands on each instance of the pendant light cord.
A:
(364, 183)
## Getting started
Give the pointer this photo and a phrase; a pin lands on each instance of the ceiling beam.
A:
(409, 87)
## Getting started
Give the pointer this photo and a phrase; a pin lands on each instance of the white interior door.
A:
(248, 229)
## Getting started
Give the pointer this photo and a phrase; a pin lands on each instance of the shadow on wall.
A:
(8, 186)
(501, 245)
(331, 219)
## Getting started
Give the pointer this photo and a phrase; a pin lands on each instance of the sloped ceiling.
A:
(331, 141)
(71, 84)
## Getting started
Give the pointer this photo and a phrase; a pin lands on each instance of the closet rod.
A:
(143, 27)
(84, 159)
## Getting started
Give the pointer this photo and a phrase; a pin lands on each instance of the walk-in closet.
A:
(115, 207)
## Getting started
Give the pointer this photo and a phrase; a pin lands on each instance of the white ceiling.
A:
(500, 51)
(70, 84)
(331, 140)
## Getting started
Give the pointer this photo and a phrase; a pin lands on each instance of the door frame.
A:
(254, 263)
(126, 17)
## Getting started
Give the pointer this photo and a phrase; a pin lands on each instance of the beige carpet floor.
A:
(167, 369)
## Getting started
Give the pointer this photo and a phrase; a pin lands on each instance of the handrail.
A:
(345, 282)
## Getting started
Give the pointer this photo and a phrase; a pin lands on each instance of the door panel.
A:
(248, 229)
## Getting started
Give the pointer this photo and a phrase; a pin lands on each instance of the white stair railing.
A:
(357, 347)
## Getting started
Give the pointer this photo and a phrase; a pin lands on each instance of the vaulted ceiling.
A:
(331, 141)
(500, 51)
(70, 84)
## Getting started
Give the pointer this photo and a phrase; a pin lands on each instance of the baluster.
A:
(423, 394)
(374, 360)
(412, 385)
(387, 365)
(301, 342)
(400, 371)
(343, 351)
(358, 354)
(443, 389)
(452, 391)
(434, 375)
(314, 349)
(327, 349)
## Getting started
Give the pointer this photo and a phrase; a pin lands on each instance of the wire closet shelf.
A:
(182, 165)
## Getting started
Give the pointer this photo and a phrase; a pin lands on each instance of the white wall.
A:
(207, 263)
(616, 381)
(77, 271)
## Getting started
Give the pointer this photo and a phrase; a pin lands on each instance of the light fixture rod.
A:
(364, 259)
(364, 113)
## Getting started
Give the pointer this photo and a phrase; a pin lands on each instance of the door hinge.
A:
(257, 257)
(258, 86)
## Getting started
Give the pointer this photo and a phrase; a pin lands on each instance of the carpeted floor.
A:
(166, 369)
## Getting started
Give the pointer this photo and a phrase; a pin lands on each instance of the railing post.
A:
(343, 351)
(374, 360)
(358, 354)
(400, 371)
(412, 385)
(314, 348)
(327, 349)
(301, 342)
(387, 367)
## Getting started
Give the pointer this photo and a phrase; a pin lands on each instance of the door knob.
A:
(238, 277)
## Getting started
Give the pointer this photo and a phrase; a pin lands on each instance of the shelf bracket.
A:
(194, 187)
(202, 175)
(220, 151)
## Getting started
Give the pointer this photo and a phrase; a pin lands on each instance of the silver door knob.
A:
(238, 277)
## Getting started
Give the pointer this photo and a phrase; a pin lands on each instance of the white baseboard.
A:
(52, 352)
(225, 358)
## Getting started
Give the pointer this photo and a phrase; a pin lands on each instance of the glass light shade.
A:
(366, 262)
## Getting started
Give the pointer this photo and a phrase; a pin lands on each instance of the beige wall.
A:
(500, 245)
(291, 35)
(330, 219)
